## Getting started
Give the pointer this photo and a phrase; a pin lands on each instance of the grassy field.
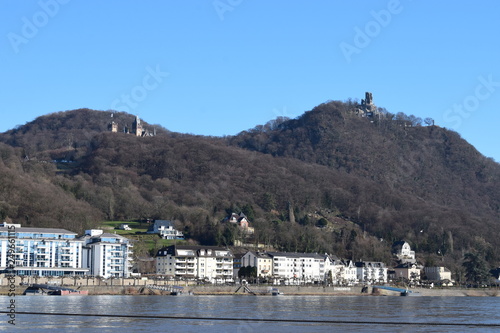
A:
(138, 234)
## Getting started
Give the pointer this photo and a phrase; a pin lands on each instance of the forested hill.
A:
(430, 163)
(365, 183)
(62, 134)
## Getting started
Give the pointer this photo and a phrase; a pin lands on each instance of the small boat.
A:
(50, 290)
(410, 293)
(276, 292)
(177, 291)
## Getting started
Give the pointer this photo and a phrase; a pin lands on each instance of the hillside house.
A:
(165, 229)
(403, 252)
(124, 226)
(241, 221)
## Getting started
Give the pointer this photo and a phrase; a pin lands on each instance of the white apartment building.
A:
(214, 264)
(40, 251)
(107, 255)
(298, 267)
(371, 272)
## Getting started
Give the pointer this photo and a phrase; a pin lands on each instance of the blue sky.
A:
(217, 67)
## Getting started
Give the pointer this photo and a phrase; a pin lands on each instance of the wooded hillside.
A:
(328, 181)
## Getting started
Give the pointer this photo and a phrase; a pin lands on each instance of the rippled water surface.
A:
(324, 313)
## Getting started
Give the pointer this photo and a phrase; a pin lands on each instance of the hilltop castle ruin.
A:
(367, 108)
(137, 128)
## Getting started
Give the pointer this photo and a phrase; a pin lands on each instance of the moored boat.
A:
(50, 290)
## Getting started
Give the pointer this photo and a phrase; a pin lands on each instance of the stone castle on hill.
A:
(137, 128)
(367, 108)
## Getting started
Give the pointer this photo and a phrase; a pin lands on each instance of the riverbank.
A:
(264, 290)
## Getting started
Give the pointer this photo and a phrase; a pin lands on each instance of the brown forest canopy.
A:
(328, 167)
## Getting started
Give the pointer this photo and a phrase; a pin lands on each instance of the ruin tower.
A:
(113, 127)
(137, 126)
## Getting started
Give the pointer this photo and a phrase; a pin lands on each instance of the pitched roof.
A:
(161, 223)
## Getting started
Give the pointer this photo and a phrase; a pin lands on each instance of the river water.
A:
(341, 313)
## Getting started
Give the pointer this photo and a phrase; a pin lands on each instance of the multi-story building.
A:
(298, 267)
(40, 251)
(237, 264)
(340, 271)
(107, 255)
(437, 273)
(408, 271)
(261, 260)
(371, 272)
(214, 264)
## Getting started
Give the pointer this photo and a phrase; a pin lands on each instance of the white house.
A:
(107, 255)
(165, 229)
(212, 263)
(341, 272)
(40, 251)
(403, 252)
(124, 226)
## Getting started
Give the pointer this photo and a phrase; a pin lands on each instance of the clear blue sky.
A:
(217, 67)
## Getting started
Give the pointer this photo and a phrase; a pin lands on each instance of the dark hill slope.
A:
(29, 197)
(194, 179)
(425, 184)
(429, 163)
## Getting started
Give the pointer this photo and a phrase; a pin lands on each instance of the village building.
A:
(403, 252)
(261, 260)
(210, 263)
(340, 271)
(241, 221)
(407, 271)
(107, 255)
(166, 230)
(438, 274)
(298, 268)
(40, 251)
(371, 272)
